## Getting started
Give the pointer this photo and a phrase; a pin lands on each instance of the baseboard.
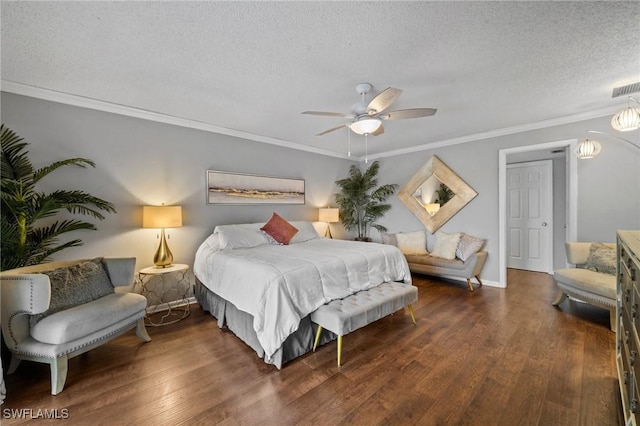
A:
(487, 283)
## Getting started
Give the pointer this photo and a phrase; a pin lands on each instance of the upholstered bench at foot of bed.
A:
(343, 316)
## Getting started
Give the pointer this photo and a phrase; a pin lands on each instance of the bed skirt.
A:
(241, 324)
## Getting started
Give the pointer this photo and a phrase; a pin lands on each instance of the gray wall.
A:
(608, 185)
(141, 162)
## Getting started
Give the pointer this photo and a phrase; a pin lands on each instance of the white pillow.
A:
(306, 232)
(467, 246)
(445, 246)
(213, 242)
(412, 242)
(240, 236)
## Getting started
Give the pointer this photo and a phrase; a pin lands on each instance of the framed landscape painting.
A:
(237, 188)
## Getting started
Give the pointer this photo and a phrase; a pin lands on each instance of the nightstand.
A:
(159, 284)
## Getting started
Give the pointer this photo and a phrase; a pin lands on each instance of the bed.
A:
(264, 291)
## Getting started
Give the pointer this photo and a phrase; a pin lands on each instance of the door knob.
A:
(544, 223)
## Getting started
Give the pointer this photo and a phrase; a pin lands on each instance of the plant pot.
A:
(364, 239)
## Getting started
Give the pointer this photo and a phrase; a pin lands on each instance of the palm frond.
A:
(44, 171)
(14, 161)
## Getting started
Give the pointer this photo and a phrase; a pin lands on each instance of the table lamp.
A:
(329, 215)
(162, 217)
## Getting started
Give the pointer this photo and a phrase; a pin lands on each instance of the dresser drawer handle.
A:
(625, 377)
(632, 358)
(626, 336)
(634, 405)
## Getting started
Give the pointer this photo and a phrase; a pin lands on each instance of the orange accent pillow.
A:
(279, 229)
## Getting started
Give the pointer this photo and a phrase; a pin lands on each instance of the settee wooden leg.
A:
(478, 278)
(141, 331)
(560, 296)
(612, 319)
(469, 284)
(59, 368)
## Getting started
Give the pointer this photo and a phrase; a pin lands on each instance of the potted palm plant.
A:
(361, 204)
(25, 239)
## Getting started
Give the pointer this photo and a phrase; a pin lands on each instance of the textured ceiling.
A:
(255, 66)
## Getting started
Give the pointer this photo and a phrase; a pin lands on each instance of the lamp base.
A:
(327, 233)
(163, 256)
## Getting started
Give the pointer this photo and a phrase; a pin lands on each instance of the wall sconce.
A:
(329, 215)
(432, 208)
(627, 119)
(162, 217)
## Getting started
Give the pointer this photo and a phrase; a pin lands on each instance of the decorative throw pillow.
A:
(279, 229)
(601, 259)
(389, 239)
(467, 246)
(445, 246)
(74, 285)
(412, 242)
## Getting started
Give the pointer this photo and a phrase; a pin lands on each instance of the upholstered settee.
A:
(454, 255)
(593, 280)
(36, 331)
(454, 268)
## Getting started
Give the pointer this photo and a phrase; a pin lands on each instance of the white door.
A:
(530, 215)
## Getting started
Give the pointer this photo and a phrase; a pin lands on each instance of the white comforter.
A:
(280, 285)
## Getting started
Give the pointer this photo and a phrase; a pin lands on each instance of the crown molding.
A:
(90, 103)
(568, 119)
(84, 102)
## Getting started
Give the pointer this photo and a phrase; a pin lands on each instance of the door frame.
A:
(572, 195)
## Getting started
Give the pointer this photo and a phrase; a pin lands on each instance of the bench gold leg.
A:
(315, 342)
(339, 351)
(413, 317)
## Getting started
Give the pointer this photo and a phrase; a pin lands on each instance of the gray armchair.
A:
(595, 288)
(70, 332)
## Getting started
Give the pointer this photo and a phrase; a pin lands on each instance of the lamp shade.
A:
(329, 215)
(588, 149)
(161, 216)
(366, 126)
(626, 120)
(432, 208)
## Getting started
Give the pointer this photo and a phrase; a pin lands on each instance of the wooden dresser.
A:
(628, 323)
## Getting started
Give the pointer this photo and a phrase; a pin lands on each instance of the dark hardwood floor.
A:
(491, 357)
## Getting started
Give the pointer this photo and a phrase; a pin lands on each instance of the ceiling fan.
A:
(366, 118)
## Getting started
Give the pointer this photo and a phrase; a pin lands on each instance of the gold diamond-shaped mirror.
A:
(435, 194)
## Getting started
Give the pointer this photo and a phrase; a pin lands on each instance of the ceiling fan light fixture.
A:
(365, 126)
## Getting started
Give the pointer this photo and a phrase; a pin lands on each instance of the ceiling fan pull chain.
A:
(349, 141)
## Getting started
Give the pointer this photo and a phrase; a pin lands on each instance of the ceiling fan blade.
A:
(383, 100)
(408, 113)
(333, 129)
(378, 132)
(328, 114)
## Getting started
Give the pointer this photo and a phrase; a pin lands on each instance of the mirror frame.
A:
(463, 193)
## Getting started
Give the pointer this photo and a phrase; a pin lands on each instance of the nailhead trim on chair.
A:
(75, 348)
